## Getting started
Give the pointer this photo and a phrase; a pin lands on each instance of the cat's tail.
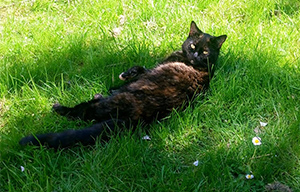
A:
(86, 136)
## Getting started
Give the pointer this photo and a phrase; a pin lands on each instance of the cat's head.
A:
(202, 49)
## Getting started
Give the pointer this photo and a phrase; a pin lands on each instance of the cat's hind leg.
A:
(84, 111)
(123, 105)
(86, 136)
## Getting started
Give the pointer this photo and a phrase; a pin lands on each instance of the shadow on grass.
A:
(290, 7)
(88, 60)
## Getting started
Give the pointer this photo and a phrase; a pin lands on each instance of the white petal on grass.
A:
(263, 124)
(196, 163)
(256, 141)
(146, 137)
(257, 130)
(249, 176)
(22, 169)
(122, 19)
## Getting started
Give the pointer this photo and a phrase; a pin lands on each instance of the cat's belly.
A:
(166, 87)
(170, 80)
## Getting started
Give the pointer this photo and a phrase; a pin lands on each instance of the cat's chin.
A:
(197, 64)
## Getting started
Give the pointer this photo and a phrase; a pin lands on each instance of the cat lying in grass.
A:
(150, 94)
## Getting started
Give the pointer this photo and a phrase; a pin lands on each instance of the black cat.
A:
(152, 94)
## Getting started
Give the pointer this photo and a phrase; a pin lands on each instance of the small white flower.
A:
(22, 169)
(256, 141)
(262, 124)
(146, 137)
(196, 163)
(117, 31)
(249, 176)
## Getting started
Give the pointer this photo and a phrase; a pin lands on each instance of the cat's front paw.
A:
(98, 96)
(121, 77)
(132, 73)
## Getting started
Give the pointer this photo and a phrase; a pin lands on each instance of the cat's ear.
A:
(220, 40)
(194, 29)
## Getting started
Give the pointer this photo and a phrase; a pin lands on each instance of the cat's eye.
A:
(205, 52)
(193, 46)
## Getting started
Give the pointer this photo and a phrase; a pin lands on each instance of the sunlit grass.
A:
(66, 51)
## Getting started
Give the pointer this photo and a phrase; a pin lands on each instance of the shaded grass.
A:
(64, 51)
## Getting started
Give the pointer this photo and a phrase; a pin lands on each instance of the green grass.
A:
(64, 51)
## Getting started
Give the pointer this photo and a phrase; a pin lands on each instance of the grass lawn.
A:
(66, 51)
